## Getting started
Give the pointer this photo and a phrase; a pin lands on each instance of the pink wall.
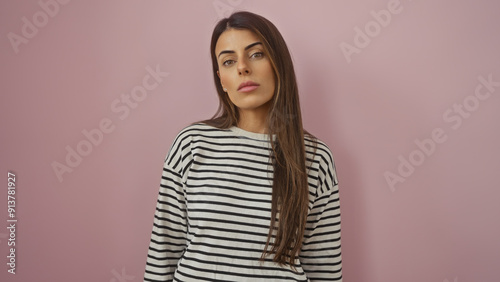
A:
(371, 89)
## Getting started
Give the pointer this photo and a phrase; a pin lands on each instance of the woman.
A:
(248, 195)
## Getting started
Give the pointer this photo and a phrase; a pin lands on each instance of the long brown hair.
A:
(290, 193)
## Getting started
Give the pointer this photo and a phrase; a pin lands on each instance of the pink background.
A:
(440, 224)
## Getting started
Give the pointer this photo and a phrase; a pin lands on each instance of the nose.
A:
(243, 67)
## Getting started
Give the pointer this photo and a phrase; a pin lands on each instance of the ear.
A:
(218, 74)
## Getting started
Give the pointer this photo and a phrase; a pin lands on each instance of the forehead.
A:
(235, 39)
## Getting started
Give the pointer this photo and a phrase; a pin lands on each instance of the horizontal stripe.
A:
(213, 211)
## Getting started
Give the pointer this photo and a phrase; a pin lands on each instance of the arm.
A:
(168, 239)
(321, 253)
(169, 236)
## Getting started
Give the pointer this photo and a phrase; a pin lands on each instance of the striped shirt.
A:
(214, 207)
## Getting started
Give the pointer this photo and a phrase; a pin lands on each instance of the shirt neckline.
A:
(254, 135)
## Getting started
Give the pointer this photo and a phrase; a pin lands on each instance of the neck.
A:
(253, 120)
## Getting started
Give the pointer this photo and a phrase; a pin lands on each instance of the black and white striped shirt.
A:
(214, 207)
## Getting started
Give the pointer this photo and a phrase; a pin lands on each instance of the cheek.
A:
(270, 74)
(224, 79)
(272, 81)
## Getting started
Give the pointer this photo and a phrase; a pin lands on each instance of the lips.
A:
(248, 86)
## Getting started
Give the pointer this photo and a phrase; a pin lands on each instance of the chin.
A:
(249, 107)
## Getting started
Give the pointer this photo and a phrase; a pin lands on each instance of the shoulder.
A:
(318, 149)
(180, 146)
(320, 153)
(179, 155)
(196, 130)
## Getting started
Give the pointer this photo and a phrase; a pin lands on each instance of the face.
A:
(242, 59)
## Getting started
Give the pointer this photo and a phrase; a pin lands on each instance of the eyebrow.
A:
(246, 48)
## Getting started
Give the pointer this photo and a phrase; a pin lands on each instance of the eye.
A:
(257, 55)
(227, 62)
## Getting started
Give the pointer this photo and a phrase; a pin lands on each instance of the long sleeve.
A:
(169, 235)
(212, 214)
(321, 252)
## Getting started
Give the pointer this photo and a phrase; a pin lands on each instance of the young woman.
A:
(248, 195)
